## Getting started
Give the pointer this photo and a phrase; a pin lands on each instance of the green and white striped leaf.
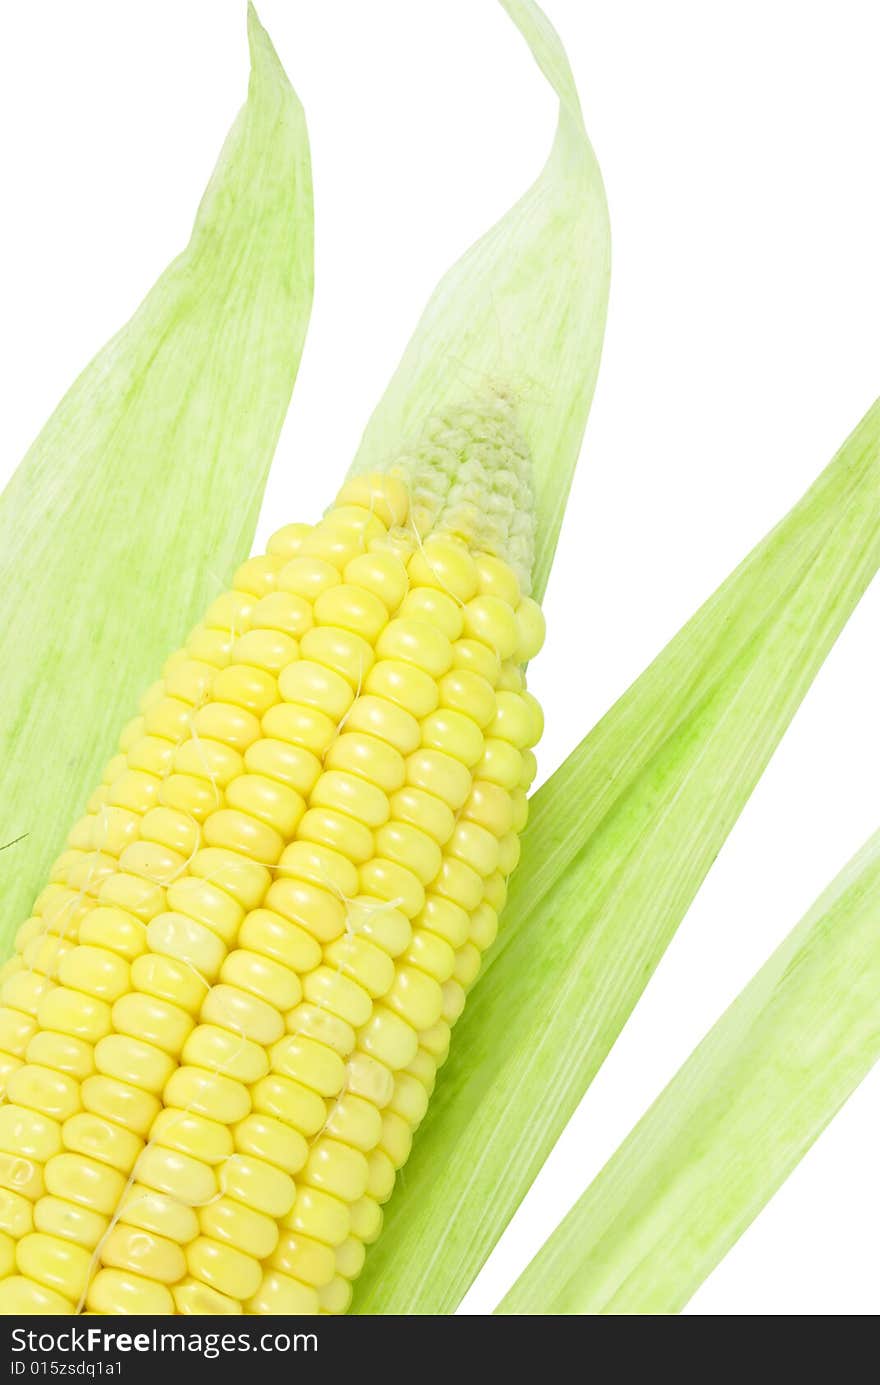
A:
(620, 839)
(141, 494)
(731, 1125)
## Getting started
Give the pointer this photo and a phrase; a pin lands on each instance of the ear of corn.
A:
(619, 840)
(732, 1124)
(522, 313)
(141, 494)
(223, 1021)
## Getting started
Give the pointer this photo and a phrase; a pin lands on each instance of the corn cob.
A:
(223, 1022)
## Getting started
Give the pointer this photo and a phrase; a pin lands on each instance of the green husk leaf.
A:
(731, 1125)
(141, 494)
(620, 839)
(521, 315)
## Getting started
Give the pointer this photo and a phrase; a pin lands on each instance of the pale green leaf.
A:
(141, 494)
(731, 1125)
(522, 313)
(620, 839)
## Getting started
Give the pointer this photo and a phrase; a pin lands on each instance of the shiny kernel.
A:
(424, 811)
(210, 646)
(352, 795)
(381, 494)
(28, 1133)
(317, 910)
(435, 607)
(382, 924)
(509, 851)
(351, 608)
(410, 689)
(115, 1292)
(337, 1169)
(529, 770)
(410, 1100)
(331, 832)
(189, 680)
(366, 1220)
(53, 1094)
(87, 872)
(380, 1176)
(453, 1001)
(158, 1213)
(127, 1106)
(152, 863)
(285, 612)
(100, 1139)
(155, 1257)
(286, 542)
(307, 576)
(23, 990)
(484, 927)
(270, 1139)
(220, 1051)
(279, 807)
(410, 847)
(195, 945)
(224, 1268)
(531, 630)
(72, 1012)
(489, 806)
(512, 678)
(475, 846)
(355, 1122)
(464, 691)
(203, 758)
(381, 574)
(386, 880)
(283, 942)
(204, 901)
(304, 1259)
(242, 1013)
(169, 979)
(467, 965)
(335, 1297)
(337, 993)
(436, 1041)
(245, 880)
(178, 1175)
(312, 685)
(388, 1038)
(72, 1056)
(210, 1094)
(242, 685)
(55, 1217)
(152, 1021)
(444, 563)
(459, 883)
(172, 829)
(232, 1222)
(194, 798)
(339, 651)
(289, 765)
(237, 831)
(280, 1295)
(83, 1181)
(416, 642)
(277, 985)
(496, 578)
(368, 965)
(313, 1022)
(514, 720)
(473, 656)
(193, 1299)
(318, 1215)
(296, 724)
(501, 764)
(416, 998)
(291, 1102)
(431, 954)
(268, 651)
(24, 1297)
(454, 733)
(233, 726)
(496, 891)
(130, 1060)
(311, 1063)
(440, 774)
(188, 1133)
(258, 1184)
(21, 1176)
(396, 1139)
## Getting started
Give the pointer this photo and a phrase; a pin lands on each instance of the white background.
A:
(740, 145)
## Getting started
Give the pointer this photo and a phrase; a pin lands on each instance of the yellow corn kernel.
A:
(169, 979)
(270, 802)
(355, 1122)
(365, 963)
(319, 1216)
(272, 1140)
(282, 941)
(287, 764)
(309, 684)
(286, 542)
(317, 910)
(219, 1050)
(203, 901)
(366, 1220)
(210, 646)
(280, 1294)
(440, 774)
(308, 1062)
(224, 1268)
(268, 651)
(246, 881)
(16, 1031)
(380, 1176)
(446, 564)
(154, 1257)
(121, 1292)
(531, 630)
(484, 926)
(41, 1089)
(23, 1297)
(453, 1001)
(300, 1257)
(100, 1139)
(95, 972)
(291, 1102)
(236, 831)
(194, 1299)
(152, 1021)
(381, 574)
(235, 1224)
(268, 981)
(58, 1218)
(315, 1022)
(24, 990)
(352, 795)
(284, 612)
(435, 607)
(196, 947)
(158, 1213)
(76, 1178)
(476, 657)
(381, 494)
(130, 1060)
(258, 1185)
(410, 1100)
(381, 923)
(258, 575)
(407, 687)
(475, 847)
(410, 847)
(242, 1013)
(191, 1134)
(343, 997)
(384, 720)
(178, 1175)
(203, 758)
(388, 1038)
(28, 1133)
(128, 1106)
(431, 954)
(338, 832)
